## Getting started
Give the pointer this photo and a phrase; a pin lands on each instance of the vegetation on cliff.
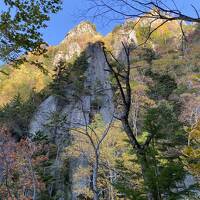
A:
(164, 92)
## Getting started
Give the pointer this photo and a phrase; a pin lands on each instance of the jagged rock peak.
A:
(83, 27)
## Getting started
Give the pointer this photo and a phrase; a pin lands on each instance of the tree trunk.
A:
(95, 176)
(152, 193)
(33, 179)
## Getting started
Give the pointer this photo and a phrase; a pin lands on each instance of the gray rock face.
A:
(128, 37)
(98, 99)
(44, 113)
(98, 81)
(188, 182)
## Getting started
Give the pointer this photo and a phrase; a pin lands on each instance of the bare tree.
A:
(159, 11)
(95, 141)
(127, 9)
(122, 78)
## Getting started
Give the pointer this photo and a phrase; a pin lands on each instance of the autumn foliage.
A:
(18, 164)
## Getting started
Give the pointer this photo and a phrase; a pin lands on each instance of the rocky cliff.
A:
(164, 80)
(77, 109)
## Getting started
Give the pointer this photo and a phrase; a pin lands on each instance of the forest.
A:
(111, 116)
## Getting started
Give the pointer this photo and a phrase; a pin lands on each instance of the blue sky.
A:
(62, 22)
(70, 16)
(67, 18)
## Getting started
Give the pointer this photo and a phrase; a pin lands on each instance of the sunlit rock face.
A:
(77, 112)
(77, 39)
(74, 49)
(125, 35)
(82, 28)
(59, 58)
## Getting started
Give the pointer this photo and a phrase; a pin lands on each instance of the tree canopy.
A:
(21, 23)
